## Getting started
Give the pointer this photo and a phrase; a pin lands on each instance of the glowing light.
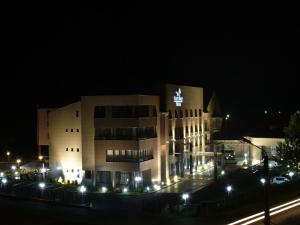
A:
(259, 216)
(43, 170)
(178, 99)
(222, 172)
(41, 157)
(138, 179)
(58, 168)
(1, 174)
(175, 178)
(125, 190)
(263, 180)
(156, 187)
(82, 189)
(148, 188)
(42, 185)
(266, 112)
(16, 173)
(13, 167)
(18, 161)
(185, 196)
(8, 153)
(291, 174)
(229, 188)
(104, 189)
(4, 181)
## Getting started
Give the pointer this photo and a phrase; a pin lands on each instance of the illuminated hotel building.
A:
(111, 140)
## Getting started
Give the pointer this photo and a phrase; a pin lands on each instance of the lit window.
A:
(110, 152)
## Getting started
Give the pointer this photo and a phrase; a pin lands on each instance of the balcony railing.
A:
(114, 158)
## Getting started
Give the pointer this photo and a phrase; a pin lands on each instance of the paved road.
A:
(289, 217)
(189, 185)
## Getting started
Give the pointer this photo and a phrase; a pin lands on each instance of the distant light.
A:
(8, 153)
(82, 189)
(245, 154)
(263, 180)
(13, 167)
(148, 188)
(229, 188)
(222, 172)
(279, 112)
(125, 190)
(16, 173)
(138, 179)
(266, 112)
(43, 170)
(175, 178)
(4, 181)
(1, 174)
(104, 189)
(41, 157)
(288, 166)
(18, 161)
(298, 112)
(58, 168)
(162, 183)
(156, 187)
(291, 173)
(42, 185)
(185, 196)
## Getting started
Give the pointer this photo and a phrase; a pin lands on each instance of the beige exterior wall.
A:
(94, 155)
(65, 150)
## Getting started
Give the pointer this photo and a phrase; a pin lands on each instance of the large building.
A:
(112, 140)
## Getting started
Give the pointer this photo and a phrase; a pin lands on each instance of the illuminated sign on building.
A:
(178, 99)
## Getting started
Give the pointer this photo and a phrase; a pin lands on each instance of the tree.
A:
(288, 152)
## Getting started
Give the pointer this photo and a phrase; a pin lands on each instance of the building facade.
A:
(113, 140)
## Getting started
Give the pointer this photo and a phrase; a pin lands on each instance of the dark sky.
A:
(53, 55)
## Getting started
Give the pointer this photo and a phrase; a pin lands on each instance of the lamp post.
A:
(267, 180)
(8, 155)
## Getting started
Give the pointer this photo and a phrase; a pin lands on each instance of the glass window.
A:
(117, 152)
(67, 130)
(109, 152)
(77, 149)
(195, 112)
(67, 149)
(71, 130)
(191, 113)
(186, 113)
(99, 112)
(77, 113)
(77, 130)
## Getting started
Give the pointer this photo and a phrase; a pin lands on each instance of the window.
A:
(110, 152)
(99, 112)
(191, 113)
(199, 112)
(77, 149)
(72, 149)
(72, 170)
(176, 113)
(117, 153)
(180, 113)
(192, 129)
(77, 130)
(195, 112)
(186, 113)
(170, 114)
(67, 149)
(77, 113)
(196, 128)
(88, 174)
(72, 130)
(67, 130)
(186, 129)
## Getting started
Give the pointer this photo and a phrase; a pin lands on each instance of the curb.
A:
(44, 201)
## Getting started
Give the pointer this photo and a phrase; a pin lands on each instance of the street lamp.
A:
(228, 189)
(8, 155)
(18, 162)
(291, 174)
(185, 197)
(82, 189)
(4, 180)
(13, 167)
(267, 179)
(263, 180)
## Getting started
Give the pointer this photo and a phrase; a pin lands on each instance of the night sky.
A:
(53, 55)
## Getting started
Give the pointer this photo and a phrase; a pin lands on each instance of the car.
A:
(279, 180)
